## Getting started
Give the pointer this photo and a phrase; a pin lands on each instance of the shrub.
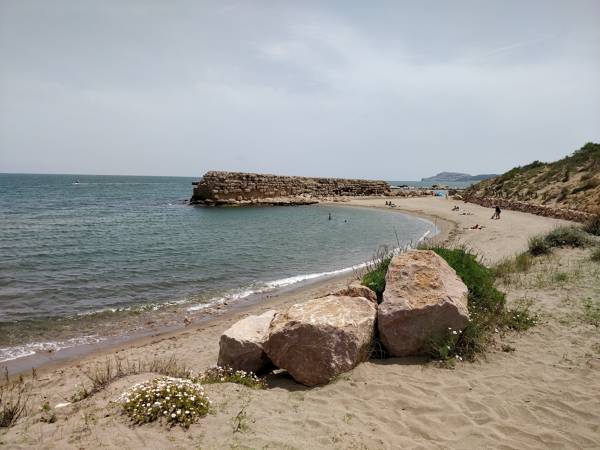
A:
(520, 318)
(486, 308)
(596, 254)
(219, 374)
(592, 226)
(538, 246)
(175, 400)
(567, 236)
(13, 401)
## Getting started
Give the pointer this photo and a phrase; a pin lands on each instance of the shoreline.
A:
(43, 361)
(378, 402)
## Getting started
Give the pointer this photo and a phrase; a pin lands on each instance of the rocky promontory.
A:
(238, 188)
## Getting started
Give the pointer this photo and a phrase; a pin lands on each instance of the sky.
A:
(385, 90)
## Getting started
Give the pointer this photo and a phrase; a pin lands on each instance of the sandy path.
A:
(544, 394)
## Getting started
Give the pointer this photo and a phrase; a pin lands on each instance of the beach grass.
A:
(374, 276)
(592, 226)
(112, 369)
(14, 398)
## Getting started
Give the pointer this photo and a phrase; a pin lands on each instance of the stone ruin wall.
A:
(540, 210)
(237, 188)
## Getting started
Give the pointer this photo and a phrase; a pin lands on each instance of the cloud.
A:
(292, 89)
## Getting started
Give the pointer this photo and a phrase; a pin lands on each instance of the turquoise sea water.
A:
(78, 258)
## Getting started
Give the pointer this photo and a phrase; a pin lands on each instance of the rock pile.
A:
(321, 338)
(237, 188)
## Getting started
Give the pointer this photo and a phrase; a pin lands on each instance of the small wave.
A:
(21, 351)
(270, 286)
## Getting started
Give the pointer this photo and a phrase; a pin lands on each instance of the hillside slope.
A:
(570, 183)
(456, 176)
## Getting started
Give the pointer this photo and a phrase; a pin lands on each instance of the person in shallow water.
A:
(329, 216)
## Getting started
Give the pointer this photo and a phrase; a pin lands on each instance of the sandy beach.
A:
(544, 393)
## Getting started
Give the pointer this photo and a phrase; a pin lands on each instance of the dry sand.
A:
(544, 394)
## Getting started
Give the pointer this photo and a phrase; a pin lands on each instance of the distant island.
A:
(456, 176)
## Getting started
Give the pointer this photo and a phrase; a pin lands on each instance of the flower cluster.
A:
(218, 374)
(175, 400)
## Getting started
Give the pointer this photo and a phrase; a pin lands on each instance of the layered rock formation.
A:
(423, 297)
(237, 188)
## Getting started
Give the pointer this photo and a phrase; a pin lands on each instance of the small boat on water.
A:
(76, 181)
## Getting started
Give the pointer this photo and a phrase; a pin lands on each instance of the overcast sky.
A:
(392, 90)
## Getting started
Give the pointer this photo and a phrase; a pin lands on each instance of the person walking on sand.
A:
(497, 212)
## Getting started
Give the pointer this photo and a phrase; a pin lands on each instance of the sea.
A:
(87, 258)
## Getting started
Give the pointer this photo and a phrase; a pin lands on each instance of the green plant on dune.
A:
(487, 309)
(176, 401)
(538, 246)
(592, 225)
(374, 278)
(218, 374)
(596, 254)
(570, 236)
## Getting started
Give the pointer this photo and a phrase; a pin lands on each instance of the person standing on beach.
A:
(497, 212)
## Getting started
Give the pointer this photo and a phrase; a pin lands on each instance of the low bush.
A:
(175, 400)
(592, 226)
(520, 318)
(14, 398)
(538, 246)
(487, 309)
(219, 374)
(595, 254)
(567, 236)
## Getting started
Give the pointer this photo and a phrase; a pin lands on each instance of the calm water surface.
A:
(77, 257)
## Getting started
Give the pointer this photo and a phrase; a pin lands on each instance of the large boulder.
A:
(355, 289)
(423, 297)
(241, 346)
(319, 339)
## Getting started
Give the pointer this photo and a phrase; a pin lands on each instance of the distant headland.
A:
(456, 176)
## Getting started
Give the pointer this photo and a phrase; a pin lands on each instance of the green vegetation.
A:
(374, 278)
(487, 308)
(596, 254)
(570, 236)
(591, 312)
(519, 264)
(566, 236)
(101, 375)
(520, 318)
(228, 375)
(174, 400)
(592, 226)
(14, 397)
(572, 182)
(538, 246)
(48, 415)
